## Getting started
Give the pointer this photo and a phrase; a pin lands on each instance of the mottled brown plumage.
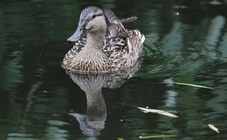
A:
(102, 46)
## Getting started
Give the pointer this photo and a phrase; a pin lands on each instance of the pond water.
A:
(186, 42)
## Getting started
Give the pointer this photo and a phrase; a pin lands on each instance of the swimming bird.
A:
(102, 44)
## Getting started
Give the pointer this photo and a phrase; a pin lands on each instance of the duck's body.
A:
(102, 47)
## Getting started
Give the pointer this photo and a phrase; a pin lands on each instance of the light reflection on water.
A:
(185, 41)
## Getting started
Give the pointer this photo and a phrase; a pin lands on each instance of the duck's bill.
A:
(79, 33)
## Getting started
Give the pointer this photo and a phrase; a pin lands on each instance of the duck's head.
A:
(92, 21)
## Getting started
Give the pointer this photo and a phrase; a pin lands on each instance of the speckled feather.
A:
(116, 50)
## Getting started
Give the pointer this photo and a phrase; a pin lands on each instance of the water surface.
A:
(186, 41)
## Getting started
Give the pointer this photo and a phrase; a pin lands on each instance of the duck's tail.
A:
(128, 20)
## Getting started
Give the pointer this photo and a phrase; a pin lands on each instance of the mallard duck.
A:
(102, 44)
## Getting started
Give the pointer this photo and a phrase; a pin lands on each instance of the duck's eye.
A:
(93, 16)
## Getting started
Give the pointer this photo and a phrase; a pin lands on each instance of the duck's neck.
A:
(96, 40)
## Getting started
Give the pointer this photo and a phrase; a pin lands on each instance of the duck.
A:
(101, 44)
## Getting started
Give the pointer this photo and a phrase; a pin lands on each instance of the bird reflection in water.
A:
(93, 120)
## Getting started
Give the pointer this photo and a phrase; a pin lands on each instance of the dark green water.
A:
(186, 41)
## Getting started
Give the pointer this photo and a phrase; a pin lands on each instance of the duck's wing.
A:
(113, 31)
(115, 44)
(112, 18)
(115, 27)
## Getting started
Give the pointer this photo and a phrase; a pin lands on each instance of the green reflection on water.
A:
(185, 41)
(11, 72)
